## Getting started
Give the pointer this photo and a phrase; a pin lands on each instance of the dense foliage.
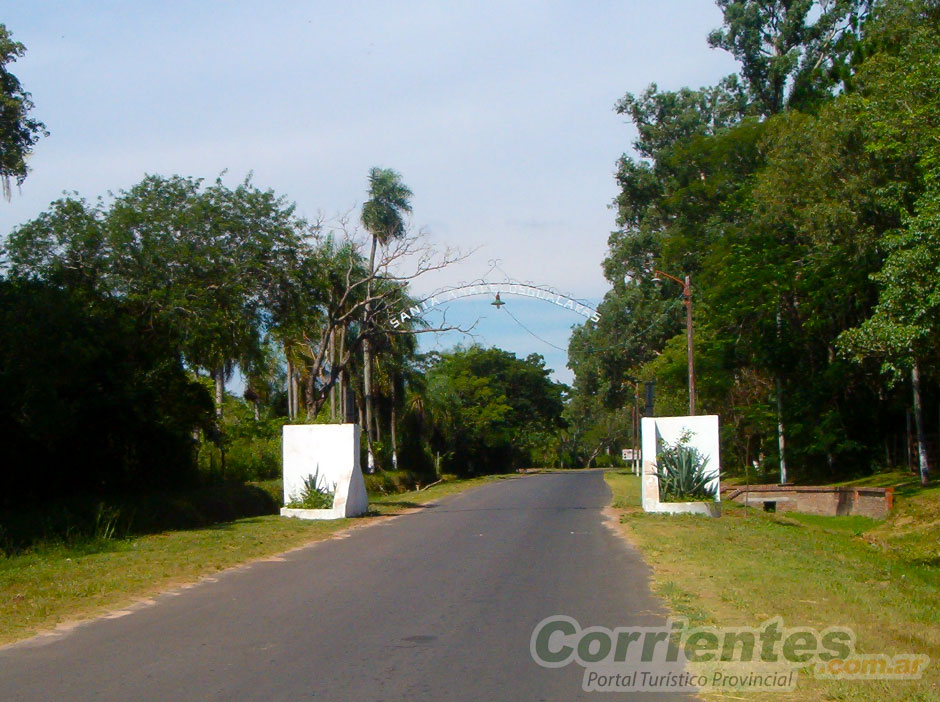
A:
(801, 198)
(92, 399)
(493, 412)
(19, 132)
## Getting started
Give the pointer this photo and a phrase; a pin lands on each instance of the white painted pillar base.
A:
(334, 450)
(659, 430)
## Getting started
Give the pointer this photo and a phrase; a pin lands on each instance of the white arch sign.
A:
(483, 288)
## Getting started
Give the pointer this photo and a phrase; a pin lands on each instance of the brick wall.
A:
(824, 500)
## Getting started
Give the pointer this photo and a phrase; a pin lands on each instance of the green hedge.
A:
(390, 482)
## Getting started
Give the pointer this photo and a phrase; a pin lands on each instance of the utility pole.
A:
(687, 293)
(636, 428)
(778, 388)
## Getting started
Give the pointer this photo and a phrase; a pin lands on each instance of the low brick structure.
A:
(826, 500)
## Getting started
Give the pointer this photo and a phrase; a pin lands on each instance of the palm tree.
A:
(391, 377)
(383, 217)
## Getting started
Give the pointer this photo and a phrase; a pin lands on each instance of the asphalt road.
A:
(439, 604)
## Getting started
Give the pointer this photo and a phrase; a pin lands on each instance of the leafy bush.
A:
(315, 493)
(273, 487)
(610, 460)
(390, 482)
(252, 446)
(681, 473)
(249, 458)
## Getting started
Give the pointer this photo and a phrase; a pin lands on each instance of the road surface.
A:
(438, 604)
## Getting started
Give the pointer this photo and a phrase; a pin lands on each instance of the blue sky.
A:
(499, 116)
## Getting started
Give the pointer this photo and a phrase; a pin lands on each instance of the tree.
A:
(383, 217)
(203, 262)
(781, 216)
(93, 398)
(791, 51)
(228, 274)
(898, 100)
(491, 410)
(18, 131)
(67, 244)
(394, 358)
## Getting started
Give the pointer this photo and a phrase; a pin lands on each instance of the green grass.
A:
(852, 524)
(880, 578)
(902, 481)
(51, 583)
(626, 489)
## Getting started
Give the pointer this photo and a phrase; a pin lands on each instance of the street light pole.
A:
(687, 294)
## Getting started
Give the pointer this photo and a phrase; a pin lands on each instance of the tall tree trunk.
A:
(343, 409)
(376, 424)
(778, 384)
(394, 427)
(367, 360)
(196, 432)
(218, 376)
(366, 420)
(295, 379)
(781, 433)
(919, 424)
(290, 390)
(332, 366)
(343, 380)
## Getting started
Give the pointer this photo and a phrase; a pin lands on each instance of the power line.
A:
(623, 343)
(544, 341)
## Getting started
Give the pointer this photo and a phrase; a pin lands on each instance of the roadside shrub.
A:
(315, 493)
(608, 460)
(252, 447)
(253, 458)
(681, 472)
(391, 482)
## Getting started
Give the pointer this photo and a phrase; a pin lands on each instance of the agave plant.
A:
(681, 473)
(315, 493)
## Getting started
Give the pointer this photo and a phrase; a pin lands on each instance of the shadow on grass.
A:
(229, 526)
(913, 487)
(405, 504)
(93, 519)
(396, 505)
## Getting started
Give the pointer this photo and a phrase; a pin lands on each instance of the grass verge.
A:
(879, 578)
(52, 583)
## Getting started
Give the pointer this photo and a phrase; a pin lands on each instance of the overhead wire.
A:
(622, 344)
